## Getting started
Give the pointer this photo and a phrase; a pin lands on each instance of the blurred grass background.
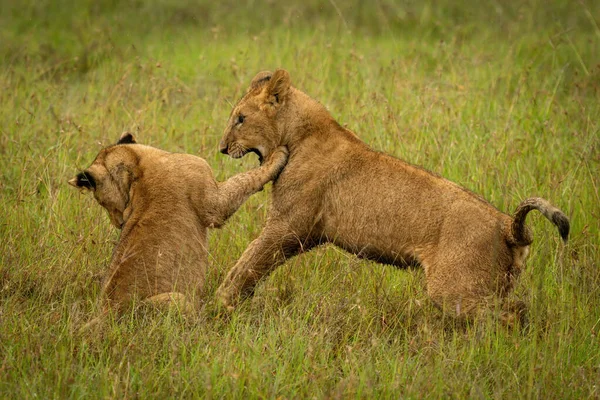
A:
(501, 97)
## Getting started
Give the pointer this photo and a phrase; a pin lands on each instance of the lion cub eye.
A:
(240, 119)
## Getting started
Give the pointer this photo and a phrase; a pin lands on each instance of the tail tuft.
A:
(562, 222)
(519, 232)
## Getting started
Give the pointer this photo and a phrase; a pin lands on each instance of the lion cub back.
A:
(164, 203)
(159, 200)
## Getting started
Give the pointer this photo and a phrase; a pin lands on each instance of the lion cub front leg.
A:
(235, 191)
(275, 244)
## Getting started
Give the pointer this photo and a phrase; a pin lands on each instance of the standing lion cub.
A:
(164, 204)
(335, 189)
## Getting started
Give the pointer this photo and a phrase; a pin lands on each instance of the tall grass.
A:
(500, 97)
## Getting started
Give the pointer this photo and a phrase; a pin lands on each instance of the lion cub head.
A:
(252, 125)
(110, 177)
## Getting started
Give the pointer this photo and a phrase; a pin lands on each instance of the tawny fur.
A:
(335, 189)
(164, 203)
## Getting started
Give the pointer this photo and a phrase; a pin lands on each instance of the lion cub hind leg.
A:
(474, 297)
(99, 320)
(179, 300)
(460, 305)
(460, 282)
(514, 314)
(176, 299)
(92, 324)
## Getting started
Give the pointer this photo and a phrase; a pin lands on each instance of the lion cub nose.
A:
(223, 148)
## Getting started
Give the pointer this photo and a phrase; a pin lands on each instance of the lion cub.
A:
(164, 204)
(336, 189)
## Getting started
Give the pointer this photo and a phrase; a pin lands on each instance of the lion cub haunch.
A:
(336, 189)
(164, 204)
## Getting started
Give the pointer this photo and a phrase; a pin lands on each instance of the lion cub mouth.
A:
(237, 151)
(258, 153)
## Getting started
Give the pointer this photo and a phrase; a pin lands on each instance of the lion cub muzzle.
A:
(223, 147)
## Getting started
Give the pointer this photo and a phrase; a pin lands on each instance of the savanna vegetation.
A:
(501, 97)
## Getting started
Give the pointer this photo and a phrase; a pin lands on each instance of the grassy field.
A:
(501, 97)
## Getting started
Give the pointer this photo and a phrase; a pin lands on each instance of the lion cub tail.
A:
(521, 236)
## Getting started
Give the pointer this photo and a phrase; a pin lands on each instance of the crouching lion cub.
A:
(335, 189)
(164, 204)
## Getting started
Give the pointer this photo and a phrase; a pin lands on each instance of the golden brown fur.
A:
(335, 189)
(164, 203)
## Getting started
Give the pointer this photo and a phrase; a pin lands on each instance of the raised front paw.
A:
(277, 160)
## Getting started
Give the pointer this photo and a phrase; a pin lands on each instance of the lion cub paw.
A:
(224, 301)
(277, 160)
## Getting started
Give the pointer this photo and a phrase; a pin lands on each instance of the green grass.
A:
(501, 97)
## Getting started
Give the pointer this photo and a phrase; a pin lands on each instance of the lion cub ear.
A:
(126, 138)
(278, 87)
(260, 79)
(83, 180)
